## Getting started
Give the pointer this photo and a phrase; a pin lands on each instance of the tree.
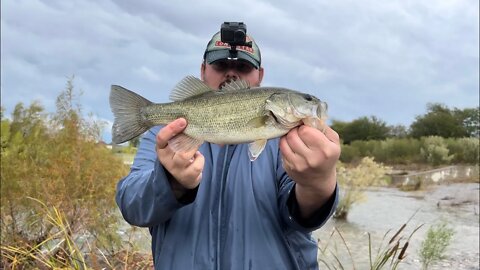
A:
(441, 121)
(398, 131)
(470, 119)
(363, 128)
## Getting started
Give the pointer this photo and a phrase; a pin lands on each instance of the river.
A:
(389, 208)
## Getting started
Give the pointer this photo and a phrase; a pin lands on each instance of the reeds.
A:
(62, 249)
(388, 255)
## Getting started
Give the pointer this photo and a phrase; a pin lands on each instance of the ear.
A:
(260, 75)
(202, 71)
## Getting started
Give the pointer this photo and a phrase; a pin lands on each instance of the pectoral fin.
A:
(183, 143)
(257, 122)
(255, 149)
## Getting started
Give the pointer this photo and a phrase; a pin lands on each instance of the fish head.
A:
(290, 109)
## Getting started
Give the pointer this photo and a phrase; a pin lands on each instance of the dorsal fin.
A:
(236, 85)
(188, 87)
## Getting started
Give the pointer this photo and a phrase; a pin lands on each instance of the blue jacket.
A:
(243, 215)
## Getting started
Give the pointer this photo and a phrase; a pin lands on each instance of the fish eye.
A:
(307, 97)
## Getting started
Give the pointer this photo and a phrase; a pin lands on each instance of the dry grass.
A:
(64, 250)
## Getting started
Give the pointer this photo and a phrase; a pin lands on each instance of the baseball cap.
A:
(218, 50)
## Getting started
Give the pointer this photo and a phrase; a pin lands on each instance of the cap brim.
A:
(216, 55)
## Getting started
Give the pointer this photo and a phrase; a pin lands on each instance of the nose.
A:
(231, 74)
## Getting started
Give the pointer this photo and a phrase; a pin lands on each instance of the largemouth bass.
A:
(235, 114)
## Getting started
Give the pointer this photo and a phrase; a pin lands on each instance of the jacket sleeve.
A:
(144, 196)
(289, 208)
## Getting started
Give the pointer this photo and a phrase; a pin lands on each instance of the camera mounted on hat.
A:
(235, 34)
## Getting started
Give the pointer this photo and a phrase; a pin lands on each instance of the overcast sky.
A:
(373, 57)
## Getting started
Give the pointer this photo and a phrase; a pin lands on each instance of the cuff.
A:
(319, 217)
(183, 195)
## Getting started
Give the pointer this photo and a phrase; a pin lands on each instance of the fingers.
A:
(190, 175)
(169, 131)
(332, 135)
(185, 167)
(315, 139)
(307, 146)
(184, 159)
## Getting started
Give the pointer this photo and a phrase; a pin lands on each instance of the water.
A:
(389, 208)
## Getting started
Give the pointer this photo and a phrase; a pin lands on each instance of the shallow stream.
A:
(389, 208)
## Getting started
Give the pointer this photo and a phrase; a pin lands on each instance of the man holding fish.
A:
(239, 175)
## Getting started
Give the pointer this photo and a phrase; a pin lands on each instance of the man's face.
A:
(221, 72)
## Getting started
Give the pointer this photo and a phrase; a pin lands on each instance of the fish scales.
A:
(220, 118)
(235, 114)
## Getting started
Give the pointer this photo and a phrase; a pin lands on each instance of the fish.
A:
(234, 114)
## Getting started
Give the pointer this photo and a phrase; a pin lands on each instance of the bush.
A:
(349, 153)
(464, 150)
(433, 247)
(366, 148)
(434, 150)
(56, 160)
(398, 151)
(353, 180)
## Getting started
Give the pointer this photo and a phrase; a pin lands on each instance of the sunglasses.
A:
(237, 65)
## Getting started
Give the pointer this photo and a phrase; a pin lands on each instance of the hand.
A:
(185, 167)
(309, 158)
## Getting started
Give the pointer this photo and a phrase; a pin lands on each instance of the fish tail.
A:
(126, 107)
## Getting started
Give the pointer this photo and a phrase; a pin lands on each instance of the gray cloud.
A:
(382, 58)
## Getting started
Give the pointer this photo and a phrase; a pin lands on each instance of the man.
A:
(212, 208)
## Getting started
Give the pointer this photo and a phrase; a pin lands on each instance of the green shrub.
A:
(433, 247)
(464, 150)
(428, 150)
(366, 148)
(434, 150)
(349, 153)
(398, 151)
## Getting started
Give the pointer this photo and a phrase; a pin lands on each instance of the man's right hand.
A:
(185, 167)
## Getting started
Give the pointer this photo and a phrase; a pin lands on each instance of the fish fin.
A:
(256, 148)
(236, 85)
(189, 86)
(257, 122)
(126, 107)
(183, 143)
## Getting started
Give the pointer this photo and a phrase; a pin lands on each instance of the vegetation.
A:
(431, 150)
(56, 160)
(447, 123)
(438, 121)
(363, 128)
(387, 255)
(63, 249)
(354, 180)
(434, 246)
